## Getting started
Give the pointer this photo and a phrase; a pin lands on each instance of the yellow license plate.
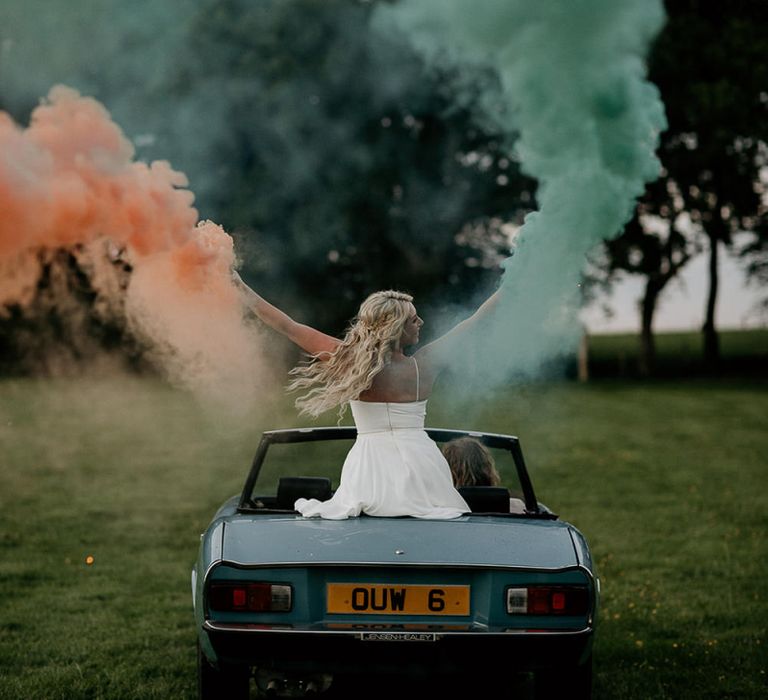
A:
(392, 599)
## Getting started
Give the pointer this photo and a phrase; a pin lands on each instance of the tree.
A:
(710, 65)
(656, 247)
(754, 252)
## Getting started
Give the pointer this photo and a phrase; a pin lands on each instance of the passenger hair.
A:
(471, 463)
(336, 378)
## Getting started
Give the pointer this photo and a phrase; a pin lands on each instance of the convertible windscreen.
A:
(306, 463)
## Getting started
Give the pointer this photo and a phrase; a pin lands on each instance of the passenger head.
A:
(471, 463)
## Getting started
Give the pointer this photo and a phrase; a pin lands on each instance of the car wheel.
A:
(227, 681)
(574, 683)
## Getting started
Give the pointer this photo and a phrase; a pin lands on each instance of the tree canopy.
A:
(348, 166)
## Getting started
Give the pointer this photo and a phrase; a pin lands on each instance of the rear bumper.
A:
(394, 650)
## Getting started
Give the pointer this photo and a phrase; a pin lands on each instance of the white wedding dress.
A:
(393, 469)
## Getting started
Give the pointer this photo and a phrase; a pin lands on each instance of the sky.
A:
(682, 304)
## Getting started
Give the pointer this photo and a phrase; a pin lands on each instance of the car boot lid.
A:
(465, 541)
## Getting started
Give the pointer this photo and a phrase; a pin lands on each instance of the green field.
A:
(744, 353)
(668, 481)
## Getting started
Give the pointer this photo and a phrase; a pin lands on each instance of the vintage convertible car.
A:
(307, 606)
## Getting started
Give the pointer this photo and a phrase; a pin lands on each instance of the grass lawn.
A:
(744, 353)
(669, 482)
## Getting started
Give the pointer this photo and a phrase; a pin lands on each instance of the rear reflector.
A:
(250, 597)
(548, 600)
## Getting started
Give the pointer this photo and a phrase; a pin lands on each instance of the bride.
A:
(393, 468)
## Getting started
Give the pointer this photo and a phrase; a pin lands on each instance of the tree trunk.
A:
(583, 358)
(647, 361)
(711, 338)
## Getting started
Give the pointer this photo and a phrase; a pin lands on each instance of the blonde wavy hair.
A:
(335, 379)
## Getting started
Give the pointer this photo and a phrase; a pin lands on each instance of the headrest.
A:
(290, 488)
(486, 499)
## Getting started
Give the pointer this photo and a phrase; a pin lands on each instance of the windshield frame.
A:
(509, 443)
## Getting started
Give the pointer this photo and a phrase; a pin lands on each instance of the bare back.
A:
(399, 381)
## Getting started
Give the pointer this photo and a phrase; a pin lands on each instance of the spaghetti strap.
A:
(416, 365)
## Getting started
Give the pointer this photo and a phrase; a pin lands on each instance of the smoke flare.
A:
(586, 123)
(69, 181)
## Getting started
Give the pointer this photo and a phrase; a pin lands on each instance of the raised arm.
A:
(448, 347)
(307, 338)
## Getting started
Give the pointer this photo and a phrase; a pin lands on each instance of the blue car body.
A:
(390, 595)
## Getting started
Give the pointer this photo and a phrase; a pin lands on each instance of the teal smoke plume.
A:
(586, 124)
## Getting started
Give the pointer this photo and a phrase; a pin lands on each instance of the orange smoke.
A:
(70, 178)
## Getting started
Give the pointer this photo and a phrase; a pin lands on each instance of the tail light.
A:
(548, 600)
(250, 597)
